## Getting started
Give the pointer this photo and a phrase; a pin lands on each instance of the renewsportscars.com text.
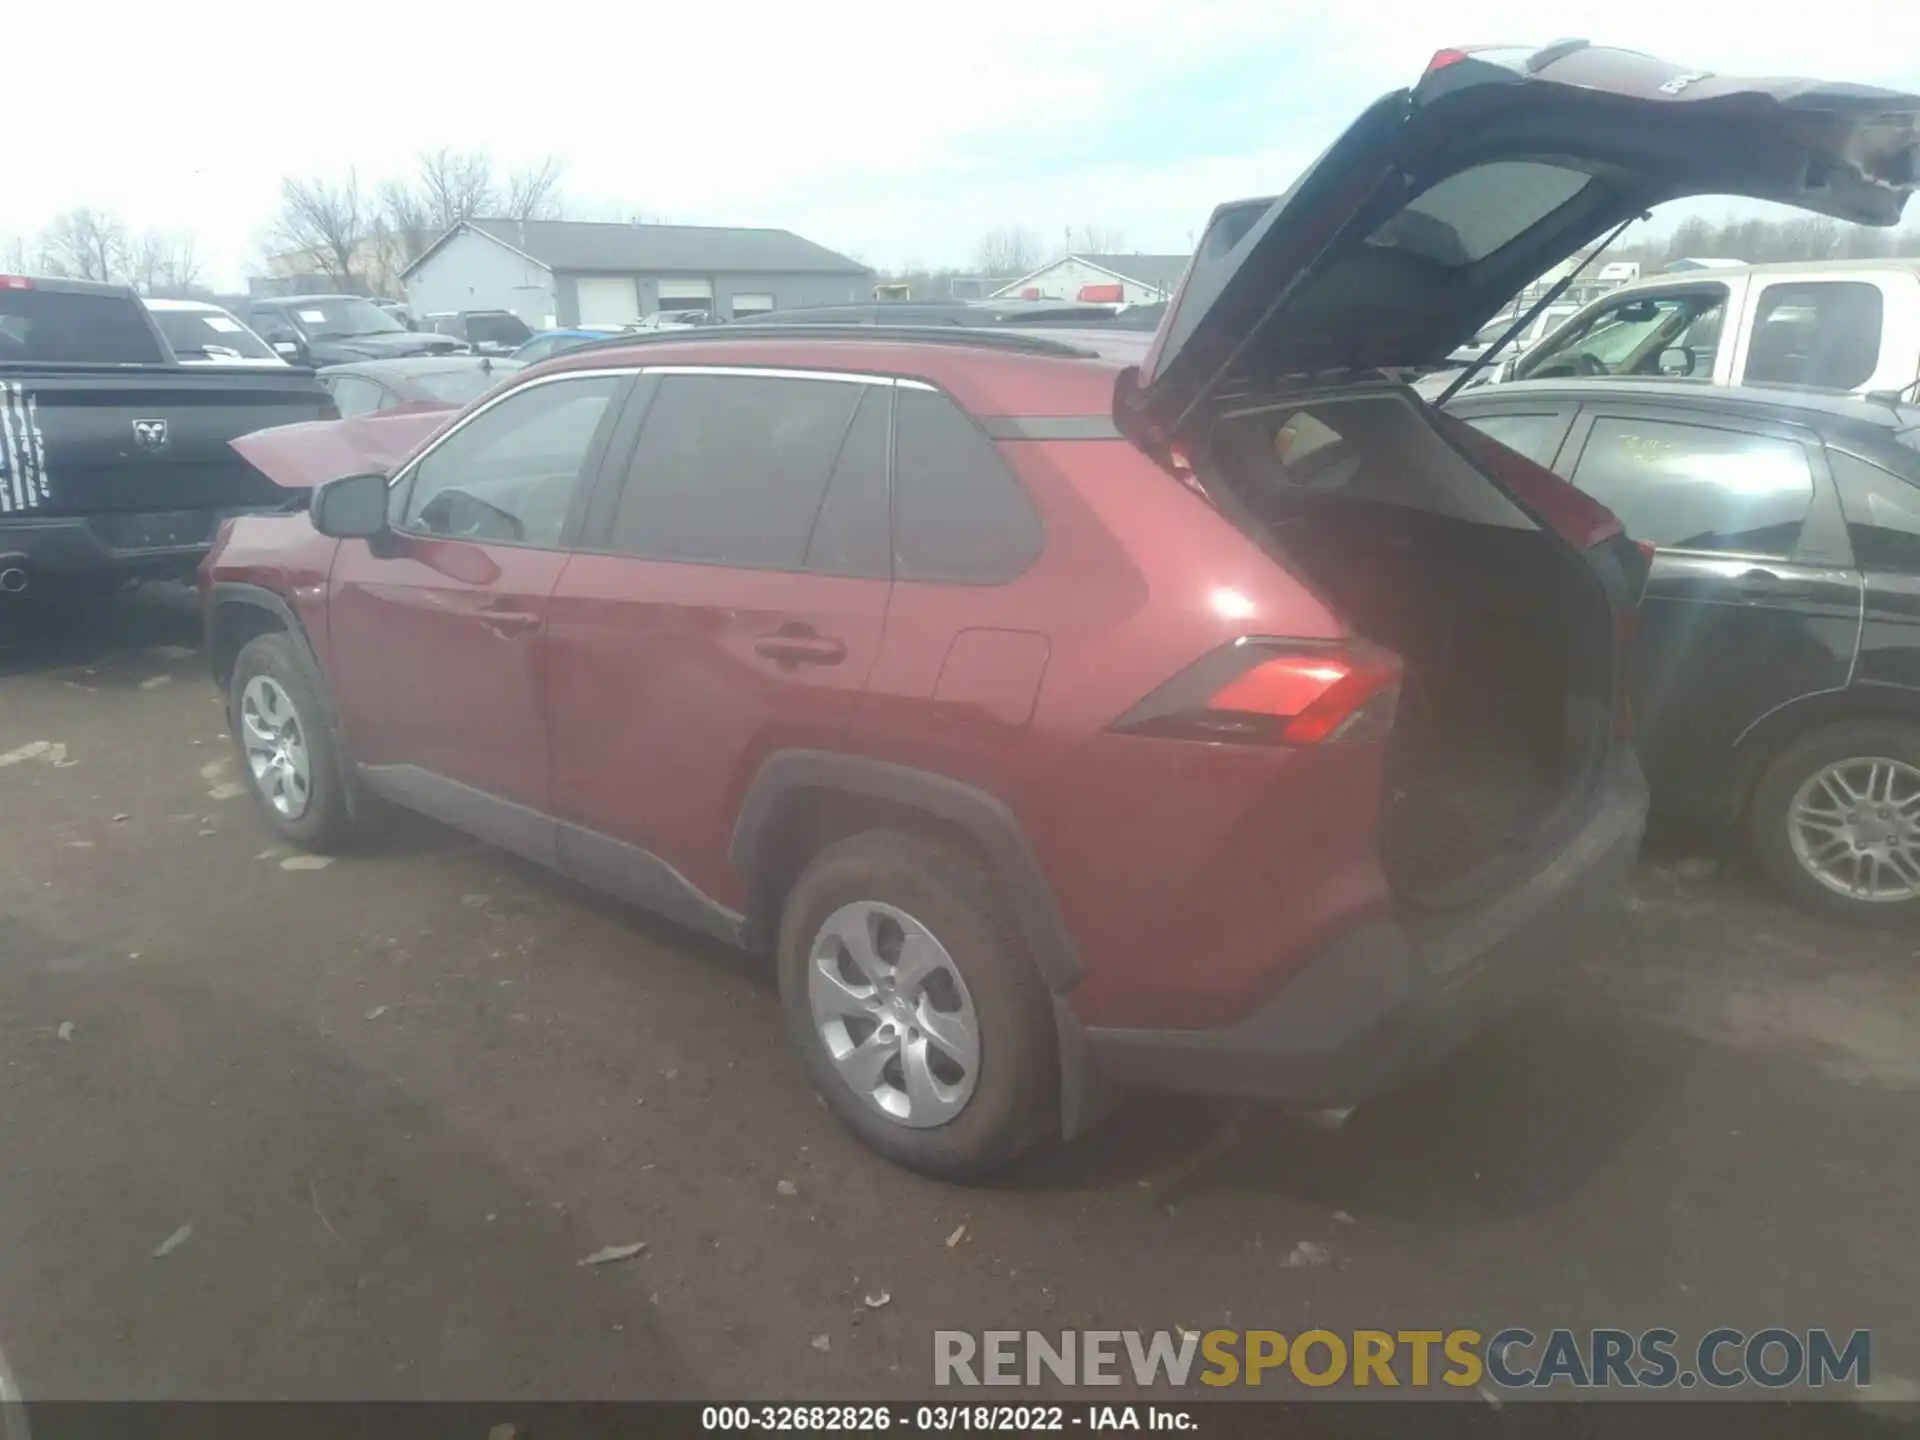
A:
(1510, 1359)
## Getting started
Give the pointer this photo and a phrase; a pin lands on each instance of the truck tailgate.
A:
(83, 440)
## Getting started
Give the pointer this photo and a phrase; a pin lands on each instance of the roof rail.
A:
(963, 336)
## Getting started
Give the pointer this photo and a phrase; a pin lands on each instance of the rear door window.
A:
(1683, 486)
(959, 516)
(759, 472)
(68, 328)
(1536, 434)
(1883, 514)
(1824, 334)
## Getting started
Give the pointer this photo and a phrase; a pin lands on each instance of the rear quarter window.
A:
(959, 516)
(55, 328)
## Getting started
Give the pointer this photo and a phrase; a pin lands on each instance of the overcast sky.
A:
(895, 132)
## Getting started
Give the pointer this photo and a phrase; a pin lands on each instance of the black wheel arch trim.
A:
(1756, 747)
(982, 816)
(239, 592)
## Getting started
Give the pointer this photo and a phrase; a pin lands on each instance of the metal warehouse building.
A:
(577, 272)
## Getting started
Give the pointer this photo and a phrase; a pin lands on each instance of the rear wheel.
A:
(1836, 821)
(919, 1016)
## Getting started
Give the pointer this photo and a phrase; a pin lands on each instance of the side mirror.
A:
(290, 349)
(353, 507)
(1676, 362)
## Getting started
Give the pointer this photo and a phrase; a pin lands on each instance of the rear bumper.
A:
(1378, 1003)
(124, 542)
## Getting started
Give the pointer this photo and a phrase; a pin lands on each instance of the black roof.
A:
(974, 336)
(1824, 409)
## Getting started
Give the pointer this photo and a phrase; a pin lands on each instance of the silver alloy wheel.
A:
(894, 1013)
(1855, 827)
(276, 747)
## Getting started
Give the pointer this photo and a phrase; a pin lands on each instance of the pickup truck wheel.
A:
(290, 759)
(922, 1023)
(1836, 821)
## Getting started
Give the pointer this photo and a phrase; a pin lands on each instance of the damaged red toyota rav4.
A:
(1238, 724)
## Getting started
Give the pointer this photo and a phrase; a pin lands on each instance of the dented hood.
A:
(302, 456)
(1443, 201)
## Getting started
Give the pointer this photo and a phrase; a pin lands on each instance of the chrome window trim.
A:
(611, 372)
(761, 372)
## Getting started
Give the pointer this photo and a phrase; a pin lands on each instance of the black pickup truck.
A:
(114, 461)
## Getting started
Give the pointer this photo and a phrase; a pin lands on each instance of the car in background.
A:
(322, 330)
(549, 343)
(676, 320)
(398, 309)
(202, 334)
(114, 456)
(1777, 686)
(486, 332)
(1851, 325)
(372, 385)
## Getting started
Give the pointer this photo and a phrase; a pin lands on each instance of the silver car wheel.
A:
(1855, 827)
(276, 747)
(894, 1013)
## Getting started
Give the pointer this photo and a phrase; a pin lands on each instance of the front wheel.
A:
(922, 1023)
(1836, 821)
(290, 757)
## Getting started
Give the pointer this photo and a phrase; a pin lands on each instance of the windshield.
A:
(338, 317)
(1628, 337)
(457, 386)
(210, 335)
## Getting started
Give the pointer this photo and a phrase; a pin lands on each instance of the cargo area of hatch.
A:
(1505, 632)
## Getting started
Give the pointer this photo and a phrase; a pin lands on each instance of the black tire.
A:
(1014, 1106)
(1773, 800)
(330, 822)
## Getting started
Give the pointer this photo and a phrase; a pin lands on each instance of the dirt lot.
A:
(375, 1114)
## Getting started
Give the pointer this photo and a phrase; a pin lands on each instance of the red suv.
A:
(1236, 724)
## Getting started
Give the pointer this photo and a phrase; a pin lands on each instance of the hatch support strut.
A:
(1519, 327)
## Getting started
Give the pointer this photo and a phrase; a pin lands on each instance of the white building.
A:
(1100, 279)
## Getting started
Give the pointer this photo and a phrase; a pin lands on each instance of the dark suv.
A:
(1050, 724)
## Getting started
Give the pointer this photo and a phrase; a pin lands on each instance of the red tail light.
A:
(16, 282)
(1276, 692)
(1443, 58)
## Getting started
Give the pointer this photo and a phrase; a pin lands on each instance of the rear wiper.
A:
(1519, 327)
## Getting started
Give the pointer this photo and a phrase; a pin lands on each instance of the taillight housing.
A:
(1265, 691)
(16, 282)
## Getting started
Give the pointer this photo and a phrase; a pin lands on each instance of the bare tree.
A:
(331, 221)
(1095, 240)
(455, 185)
(533, 192)
(161, 264)
(179, 265)
(85, 244)
(13, 256)
(1013, 251)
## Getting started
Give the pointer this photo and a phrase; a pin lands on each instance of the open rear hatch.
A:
(1508, 596)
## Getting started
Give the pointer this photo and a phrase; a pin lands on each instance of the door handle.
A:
(507, 623)
(1765, 585)
(800, 647)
